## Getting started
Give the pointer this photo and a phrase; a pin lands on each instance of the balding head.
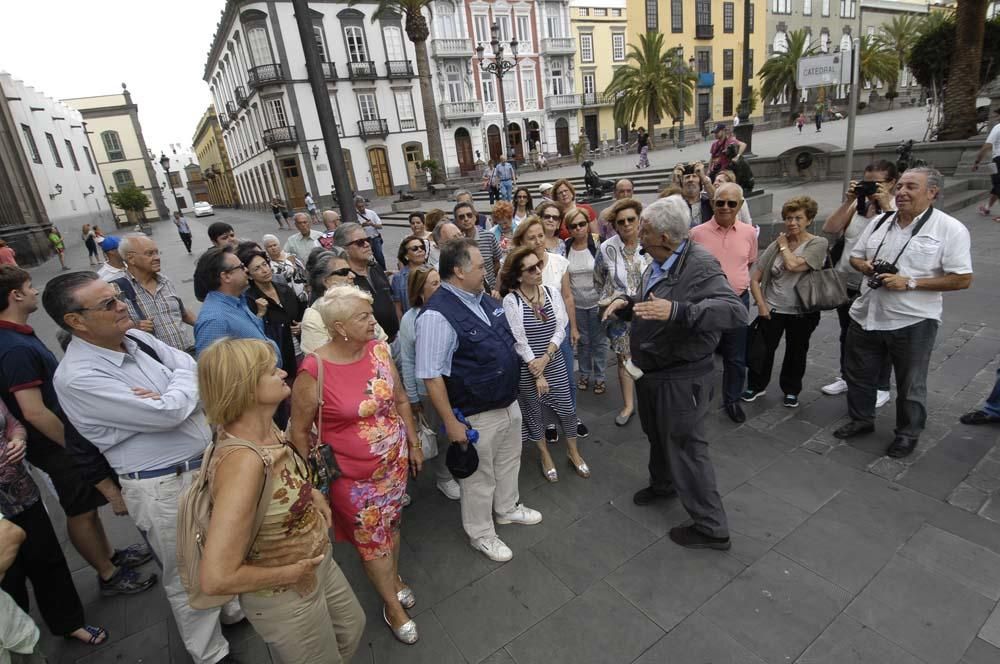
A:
(730, 187)
(331, 219)
(624, 189)
(727, 203)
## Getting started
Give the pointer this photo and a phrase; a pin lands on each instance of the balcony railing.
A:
(279, 136)
(457, 110)
(362, 71)
(597, 99)
(231, 110)
(451, 48)
(329, 71)
(565, 45)
(241, 96)
(407, 124)
(704, 31)
(224, 122)
(399, 68)
(562, 101)
(264, 75)
(377, 128)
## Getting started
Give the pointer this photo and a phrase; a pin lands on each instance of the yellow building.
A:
(601, 32)
(214, 161)
(119, 148)
(711, 34)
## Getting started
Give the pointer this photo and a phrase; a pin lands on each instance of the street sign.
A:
(820, 70)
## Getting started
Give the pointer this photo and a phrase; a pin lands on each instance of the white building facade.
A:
(257, 76)
(538, 92)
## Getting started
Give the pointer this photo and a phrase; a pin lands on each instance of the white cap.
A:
(544, 187)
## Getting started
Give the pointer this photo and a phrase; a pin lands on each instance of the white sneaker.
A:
(882, 397)
(450, 488)
(493, 548)
(522, 515)
(838, 386)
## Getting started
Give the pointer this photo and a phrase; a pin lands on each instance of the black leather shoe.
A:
(854, 428)
(901, 447)
(689, 537)
(649, 494)
(735, 413)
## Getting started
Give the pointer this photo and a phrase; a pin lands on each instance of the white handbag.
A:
(427, 436)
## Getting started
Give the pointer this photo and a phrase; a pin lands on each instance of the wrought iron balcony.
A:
(564, 45)
(264, 75)
(362, 71)
(453, 48)
(329, 71)
(277, 137)
(458, 110)
(224, 122)
(241, 96)
(554, 102)
(704, 31)
(399, 68)
(231, 110)
(377, 128)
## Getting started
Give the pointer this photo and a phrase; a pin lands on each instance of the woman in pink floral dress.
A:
(368, 423)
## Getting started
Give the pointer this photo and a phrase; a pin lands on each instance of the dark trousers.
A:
(376, 243)
(733, 347)
(186, 239)
(672, 412)
(844, 315)
(40, 560)
(909, 350)
(797, 328)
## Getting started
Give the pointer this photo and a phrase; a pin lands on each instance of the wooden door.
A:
(294, 185)
(495, 146)
(590, 129)
(413, 153)
(463, 145)
(378, 162)
(562, 138)
(516, 142)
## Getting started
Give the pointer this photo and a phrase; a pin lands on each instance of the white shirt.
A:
(371, 222)
(942, 247)
(555, 268)
(109, 272)
(994, 140)
(301, 246)
(514, 310)
(309, 202)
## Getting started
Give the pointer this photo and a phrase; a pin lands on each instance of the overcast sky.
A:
(83, 48)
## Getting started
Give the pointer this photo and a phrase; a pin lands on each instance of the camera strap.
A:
(916, 231)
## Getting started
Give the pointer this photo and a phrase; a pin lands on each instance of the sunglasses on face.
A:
(729, 204)
(582, 224)
(415, 248)
(537, 267)
(551, 217)
(363, 242)
(342, 272)
(628, 221)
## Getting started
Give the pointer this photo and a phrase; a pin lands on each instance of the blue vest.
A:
(485, 368)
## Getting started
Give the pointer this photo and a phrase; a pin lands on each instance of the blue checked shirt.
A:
(437, 340)
(226, 316)
(659, 271)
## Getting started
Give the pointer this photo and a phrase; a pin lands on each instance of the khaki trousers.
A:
(324, 627)
(493, 487)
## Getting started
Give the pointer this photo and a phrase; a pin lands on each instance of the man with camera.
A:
(696, 189)
(909, 259)
(719, 150)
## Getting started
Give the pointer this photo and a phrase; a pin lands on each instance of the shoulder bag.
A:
(823, 289)
(322, 462)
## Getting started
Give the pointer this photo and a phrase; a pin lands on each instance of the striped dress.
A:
(559, 399)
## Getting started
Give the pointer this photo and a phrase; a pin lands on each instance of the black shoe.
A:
(977, 417)
(854, 428)
(790, 401)
(649, 494)
(750, 395)
(581, 430)
(735, 413)
(691, 538)
(901, 447)
(134, 555)
(551, 434)
(126, 581)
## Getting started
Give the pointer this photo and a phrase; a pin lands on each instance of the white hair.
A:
(125, 243)
(669, 216)
(339, 303)
(268, 237)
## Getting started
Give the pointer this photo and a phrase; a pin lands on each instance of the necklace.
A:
(536, 303)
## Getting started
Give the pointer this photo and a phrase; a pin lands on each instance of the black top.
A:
(279, 318)
(376, 283)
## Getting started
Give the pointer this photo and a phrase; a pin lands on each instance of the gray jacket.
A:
(704, 305)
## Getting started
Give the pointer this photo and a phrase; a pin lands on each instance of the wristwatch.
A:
(911, 284)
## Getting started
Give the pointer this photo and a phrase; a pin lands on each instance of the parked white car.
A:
(203, 209)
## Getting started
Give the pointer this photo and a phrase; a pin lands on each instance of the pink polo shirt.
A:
(735, 248)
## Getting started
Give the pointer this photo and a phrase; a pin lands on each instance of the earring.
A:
(345, 337)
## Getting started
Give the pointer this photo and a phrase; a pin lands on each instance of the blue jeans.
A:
(733, 347)
(992, 405)
(593, 344)
(507, 190)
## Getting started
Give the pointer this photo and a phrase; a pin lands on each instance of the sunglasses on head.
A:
(363, 242)
(342, 272)
(729, 204)
(537, 267)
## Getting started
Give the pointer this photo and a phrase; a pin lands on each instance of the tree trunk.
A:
(963, 76)
(430, 109)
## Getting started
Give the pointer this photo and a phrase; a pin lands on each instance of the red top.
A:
(7, 256)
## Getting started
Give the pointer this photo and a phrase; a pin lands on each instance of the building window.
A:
(357, 50)
(489, 92)
(584, 11)
(276, 113)
(510, 93)
(529, 89)
(456, 87)
(112, 146)
(589, 85)
(553, 25)
(175, 180)
(587, 48)
(90, 160)
(704, 61)
(556, 82)
(727, 64)
(503, 26)
(53, 149)
(703, 12)
(367, 106)
(72, 155)
(394, 49)
(618, 47)
(123, 178)
(807, 7)
(728, 22)
(749, 64)
(652, 15)
(676, 15)
(404, 110)
(616, 11)
(524, 33)
(847, 8)
(825, 8)
(727, 101)
(260, 46)
(752, 22)
(29, 139)
(824, 42)
(481, 25)
(600, 11)
(320, 44)
(781, 6)
(444, 20)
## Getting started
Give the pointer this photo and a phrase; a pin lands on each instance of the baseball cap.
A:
(544, 187)
(109, 244)
(462, 462)
(719, 126)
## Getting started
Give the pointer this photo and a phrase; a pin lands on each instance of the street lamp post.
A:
(165, 165)
(681, 76)
(498, 68)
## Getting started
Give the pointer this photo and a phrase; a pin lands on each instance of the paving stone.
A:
(846, 641)
(576, 496)
(764, 517)
(598, 627)
(921, 610)
(981, 652)
(698, 639)
(985, 476)
(499, 657)
(794, 432)
(968, 498)
(148, 646)
(887, 468)
(974, 566)
(668, 582)
(939, 471)
(991, 510)
(776, 608)
(435, 646)
(803, 479)
(991, 629)
(657, 517)
(851, 457)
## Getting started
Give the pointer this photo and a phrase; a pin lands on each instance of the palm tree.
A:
(879, 64)
(418, 31)
(778, 73)
(651, 82)
(899, 36)
(963, 78)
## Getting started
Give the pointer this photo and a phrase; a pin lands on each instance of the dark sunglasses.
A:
(415, 248)
(363, 242)
(537, 267)
(234, 268)
(582, 224)
(550, 216)
(729, 204)
(342, 272)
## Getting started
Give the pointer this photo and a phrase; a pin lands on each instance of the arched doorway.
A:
(378, 164)
(463, 146)
(562, 137)
(534, 136)
(515, 142)
(413, 153)
(493, 141)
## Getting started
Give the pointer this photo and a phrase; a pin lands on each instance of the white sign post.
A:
(819, 71)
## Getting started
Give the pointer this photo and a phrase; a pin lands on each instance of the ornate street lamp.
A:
(165, 165)
(681, 75)
(498, 68)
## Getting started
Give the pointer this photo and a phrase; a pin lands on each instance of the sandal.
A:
(583, 384)
(98, 635)
(600, 387)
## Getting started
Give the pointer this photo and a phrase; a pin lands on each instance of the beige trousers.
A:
(493, 487)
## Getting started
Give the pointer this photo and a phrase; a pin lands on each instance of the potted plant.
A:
(133, 201)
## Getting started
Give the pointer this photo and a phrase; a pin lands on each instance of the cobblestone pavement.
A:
(839, 554)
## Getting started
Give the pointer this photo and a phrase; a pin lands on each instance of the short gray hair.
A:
(462, 192)
(301, 214)
(359, 199)
(59, 296)
(337, 304)
(669, 216)
(438, 230)
(730, 185)
(934, 177)
(344, 231)
(268, 237)
(126, 241)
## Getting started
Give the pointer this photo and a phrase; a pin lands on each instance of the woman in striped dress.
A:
(538, 319)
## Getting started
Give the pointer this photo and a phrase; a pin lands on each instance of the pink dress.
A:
(361, 424)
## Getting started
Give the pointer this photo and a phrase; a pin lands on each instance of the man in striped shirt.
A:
(489, 247)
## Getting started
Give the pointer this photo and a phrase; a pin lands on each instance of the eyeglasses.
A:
(106, 305)
(537, 267)
(582, 224)
(241, 266)
(524, 196)
(729, 204)
(415, 248)
(152, 253)
(342, 272)
(551, 217)
(363, 242)
(627, 221)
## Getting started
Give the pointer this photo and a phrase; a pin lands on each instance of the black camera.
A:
(881, 267)
(688, 169)
(863, 190)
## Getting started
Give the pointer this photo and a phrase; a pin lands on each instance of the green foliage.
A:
(931, 53)
(651, 82)
(578, 150)
(778, 73)
(129, 198)
(878, 62)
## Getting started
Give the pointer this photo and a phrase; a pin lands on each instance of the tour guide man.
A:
(466, 357)
(686, 302)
